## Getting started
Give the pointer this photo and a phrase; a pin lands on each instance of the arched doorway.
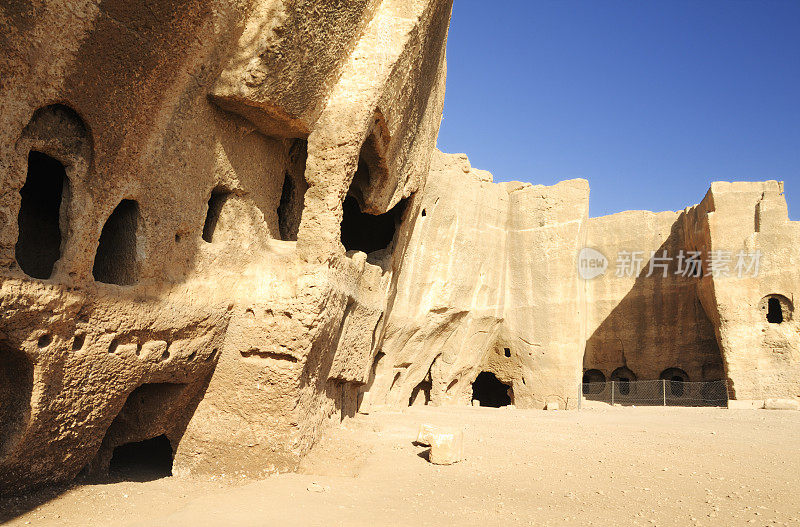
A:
(675, 377)
(623, 377)
(593, 382)
(489, 391)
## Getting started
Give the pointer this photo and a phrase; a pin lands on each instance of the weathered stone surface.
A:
(762, 358)
(644, 323)
(190, 257)
(224, 223)
(425, 434)
(447, 446)
(489, 268)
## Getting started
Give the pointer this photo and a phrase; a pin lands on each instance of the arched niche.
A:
(54, 150)
(776, 309)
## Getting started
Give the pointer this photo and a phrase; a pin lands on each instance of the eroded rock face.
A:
(170, 231)
(753, 316)
(488, 283)
(493, 305)
(643, 322)
(225, 222)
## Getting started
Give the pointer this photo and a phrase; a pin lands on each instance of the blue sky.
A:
(648, 100)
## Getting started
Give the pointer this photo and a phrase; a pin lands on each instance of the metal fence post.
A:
(664, 390)
(612, 393)
(727, 395)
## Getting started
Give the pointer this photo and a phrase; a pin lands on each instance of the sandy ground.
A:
(602, 466)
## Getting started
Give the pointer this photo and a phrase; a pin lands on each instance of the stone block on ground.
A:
(425, 434)
(447, 447)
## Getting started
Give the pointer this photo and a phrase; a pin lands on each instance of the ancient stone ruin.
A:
(224, 224)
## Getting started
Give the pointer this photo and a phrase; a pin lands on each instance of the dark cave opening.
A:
(368, 232)
(421, 394)
(676, 386)
(489, 391)
(143, 460)
(16, 386)
(593, 382)
(215, 204)
(116, 259)
(39, 243)
(623, 377)
(290, 208)
(674, 379)
(774, 311)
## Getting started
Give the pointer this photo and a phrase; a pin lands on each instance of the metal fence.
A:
(657, 393)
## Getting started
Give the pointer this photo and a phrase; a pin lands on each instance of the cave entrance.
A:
(116, 260)
(593, 382)
(143, 460)
(16, 386)
(675, 378)
(421, 394)
(623, 377)
(489, 391)
(366, 232)
(39, 243)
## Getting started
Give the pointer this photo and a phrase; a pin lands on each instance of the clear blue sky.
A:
(648, 100)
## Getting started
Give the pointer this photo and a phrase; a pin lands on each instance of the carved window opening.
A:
(777, 309)
(363, 227)
(39, 243)
(369, 232)
(116, 260)
(774, 311)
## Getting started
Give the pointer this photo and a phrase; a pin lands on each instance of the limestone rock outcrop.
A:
(224, 224)
(186, 189)
(488, 283)
(492, 302)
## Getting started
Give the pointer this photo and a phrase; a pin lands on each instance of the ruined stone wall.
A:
(173, 184)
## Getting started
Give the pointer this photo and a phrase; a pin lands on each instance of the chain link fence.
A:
(657, 393)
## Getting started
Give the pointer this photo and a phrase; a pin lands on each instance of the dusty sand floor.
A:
(609, 466)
